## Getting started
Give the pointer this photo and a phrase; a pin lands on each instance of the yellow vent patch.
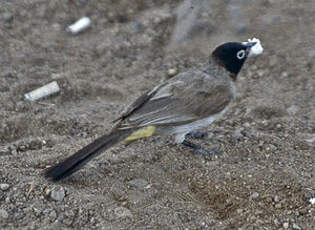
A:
(141, 133)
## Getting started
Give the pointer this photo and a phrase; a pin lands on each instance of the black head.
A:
(232, 55)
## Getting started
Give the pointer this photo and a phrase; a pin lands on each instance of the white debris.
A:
(312, 200)
(79, 25)
(43, 91)
(4, 187)
(256, 49)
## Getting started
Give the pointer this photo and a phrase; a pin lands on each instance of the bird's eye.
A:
(241, 54)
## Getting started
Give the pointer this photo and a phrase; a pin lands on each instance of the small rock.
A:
(276, 199)
(84, 134)
(3, 214)
(18, 215)
(276, 222)
(269, 199)
(239, 211)
(284, 74)
(58, 194)
(52, 215)
(4, 187)
(237, 134)
(139, 183)
(258, 212)
(296, 227)
(254, 196)
(172, 72)
(278, 206)
(122, 212)
(37, 212)
(286, 225)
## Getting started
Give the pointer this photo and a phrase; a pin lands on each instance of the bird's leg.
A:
(196, 135)
(199, 149)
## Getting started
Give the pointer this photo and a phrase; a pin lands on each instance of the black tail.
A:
(84, 155)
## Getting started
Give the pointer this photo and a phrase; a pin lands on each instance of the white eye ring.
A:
(241, 54)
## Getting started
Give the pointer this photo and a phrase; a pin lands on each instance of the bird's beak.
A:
(249, 46)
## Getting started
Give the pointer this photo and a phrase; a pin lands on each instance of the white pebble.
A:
(79, 25)
(312, 200)
(296, 227)
(254, 196)
(172, 72)
(4, 187)
(58, 195)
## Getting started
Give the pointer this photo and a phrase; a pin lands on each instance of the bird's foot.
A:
(196, 135)
(200, 150)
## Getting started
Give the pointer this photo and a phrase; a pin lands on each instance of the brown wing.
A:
(188, 97)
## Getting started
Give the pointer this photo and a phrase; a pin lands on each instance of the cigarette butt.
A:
(79, 25)
(43, 91)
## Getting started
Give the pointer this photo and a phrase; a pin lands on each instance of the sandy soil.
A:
(264, 179)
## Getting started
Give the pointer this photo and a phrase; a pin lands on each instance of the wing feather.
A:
(183, 99)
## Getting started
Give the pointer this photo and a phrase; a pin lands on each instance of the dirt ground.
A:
(264, 179)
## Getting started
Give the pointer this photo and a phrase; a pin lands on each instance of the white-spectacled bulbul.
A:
(186, 102)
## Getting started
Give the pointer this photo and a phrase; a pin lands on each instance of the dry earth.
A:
(264, 179)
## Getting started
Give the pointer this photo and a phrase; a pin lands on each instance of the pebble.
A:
(4, 187)
(254, 196)
(239, 211)
(172, 72)
(237, 134)
(53, 215)
(139, 183)
(286, 225)
(278, 206)
(58, 194)
(296, 227)
(122, 212)
(3, 214)
(276, 199)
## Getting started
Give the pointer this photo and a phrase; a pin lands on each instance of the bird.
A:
(178, 106)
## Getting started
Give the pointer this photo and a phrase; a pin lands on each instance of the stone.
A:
(254, 196)
(58, 194)
(3, 214)
(4, 187)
